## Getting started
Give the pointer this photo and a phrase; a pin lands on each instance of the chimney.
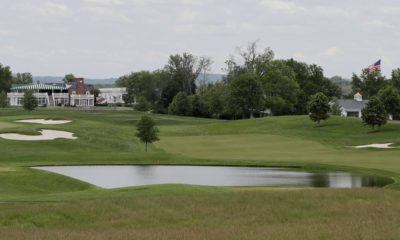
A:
(80, 86)
(358, 97)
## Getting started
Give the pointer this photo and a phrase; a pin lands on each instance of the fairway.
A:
(40, 205)
(242, 146)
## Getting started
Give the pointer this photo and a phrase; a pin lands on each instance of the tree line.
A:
(7, 79)
(374, 86)
(254, 82)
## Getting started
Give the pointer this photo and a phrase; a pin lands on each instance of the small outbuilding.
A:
(352, 107)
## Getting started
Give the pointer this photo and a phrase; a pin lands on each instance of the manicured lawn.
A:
(39, 205)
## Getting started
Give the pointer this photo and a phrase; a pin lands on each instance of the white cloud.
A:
(104, 14)
(330, 11)
(113, 37)
(56, 9)
(282, 6)
(43, 9)
(332, 52)
(6, 33)
(104, 2)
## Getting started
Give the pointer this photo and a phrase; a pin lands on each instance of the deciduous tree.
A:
(142, 104)
(180, 105)
(146, 130)
(183, 71)
(29, 102)
(395, 78)
(374, 113)
(197, 106)
(215, 99)
(3, 99)
(311, 80)
(319, 107)
(252, 61)
(335, 107)
(368, 83)
(5, 78)
(280, 87)
(68, 78)
(246, 93)
(390, 98)
(22, 78)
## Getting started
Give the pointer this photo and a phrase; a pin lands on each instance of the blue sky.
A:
(109, 38)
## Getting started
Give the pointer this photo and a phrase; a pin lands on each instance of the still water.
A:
(126, 176)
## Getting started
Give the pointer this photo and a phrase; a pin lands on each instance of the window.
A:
(42, 101)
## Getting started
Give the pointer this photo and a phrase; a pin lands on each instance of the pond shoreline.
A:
(141, 175)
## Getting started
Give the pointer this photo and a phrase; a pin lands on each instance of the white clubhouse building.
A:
(55, 94)
(111, 95)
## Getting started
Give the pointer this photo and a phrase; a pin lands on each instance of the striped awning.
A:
(39, 86)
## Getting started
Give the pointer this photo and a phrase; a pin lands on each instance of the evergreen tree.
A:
(146, 130)
(374, 113)
(319, 107)
(3, 99)
(29, 101)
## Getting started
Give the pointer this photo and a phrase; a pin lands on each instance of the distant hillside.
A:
(211, 78)
(51, 79)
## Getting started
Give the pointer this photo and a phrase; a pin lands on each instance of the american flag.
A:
(375, 67)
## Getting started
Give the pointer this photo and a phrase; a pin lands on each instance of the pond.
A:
(117, 176)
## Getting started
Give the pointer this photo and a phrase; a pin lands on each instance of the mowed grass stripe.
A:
(187, 214)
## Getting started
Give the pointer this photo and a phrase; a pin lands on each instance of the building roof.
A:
(39, 86)
(116, 90)
(351, 104)
(74, 86)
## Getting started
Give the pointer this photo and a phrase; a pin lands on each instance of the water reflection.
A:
(125, 176)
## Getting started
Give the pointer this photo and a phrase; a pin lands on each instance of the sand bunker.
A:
(376, 145)
(44, 121)
(45, 135)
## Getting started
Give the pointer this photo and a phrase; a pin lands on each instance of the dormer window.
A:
(87, 92)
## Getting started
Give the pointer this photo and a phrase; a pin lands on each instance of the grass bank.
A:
(39, 205)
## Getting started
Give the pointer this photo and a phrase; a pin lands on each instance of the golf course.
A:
(36, 204)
